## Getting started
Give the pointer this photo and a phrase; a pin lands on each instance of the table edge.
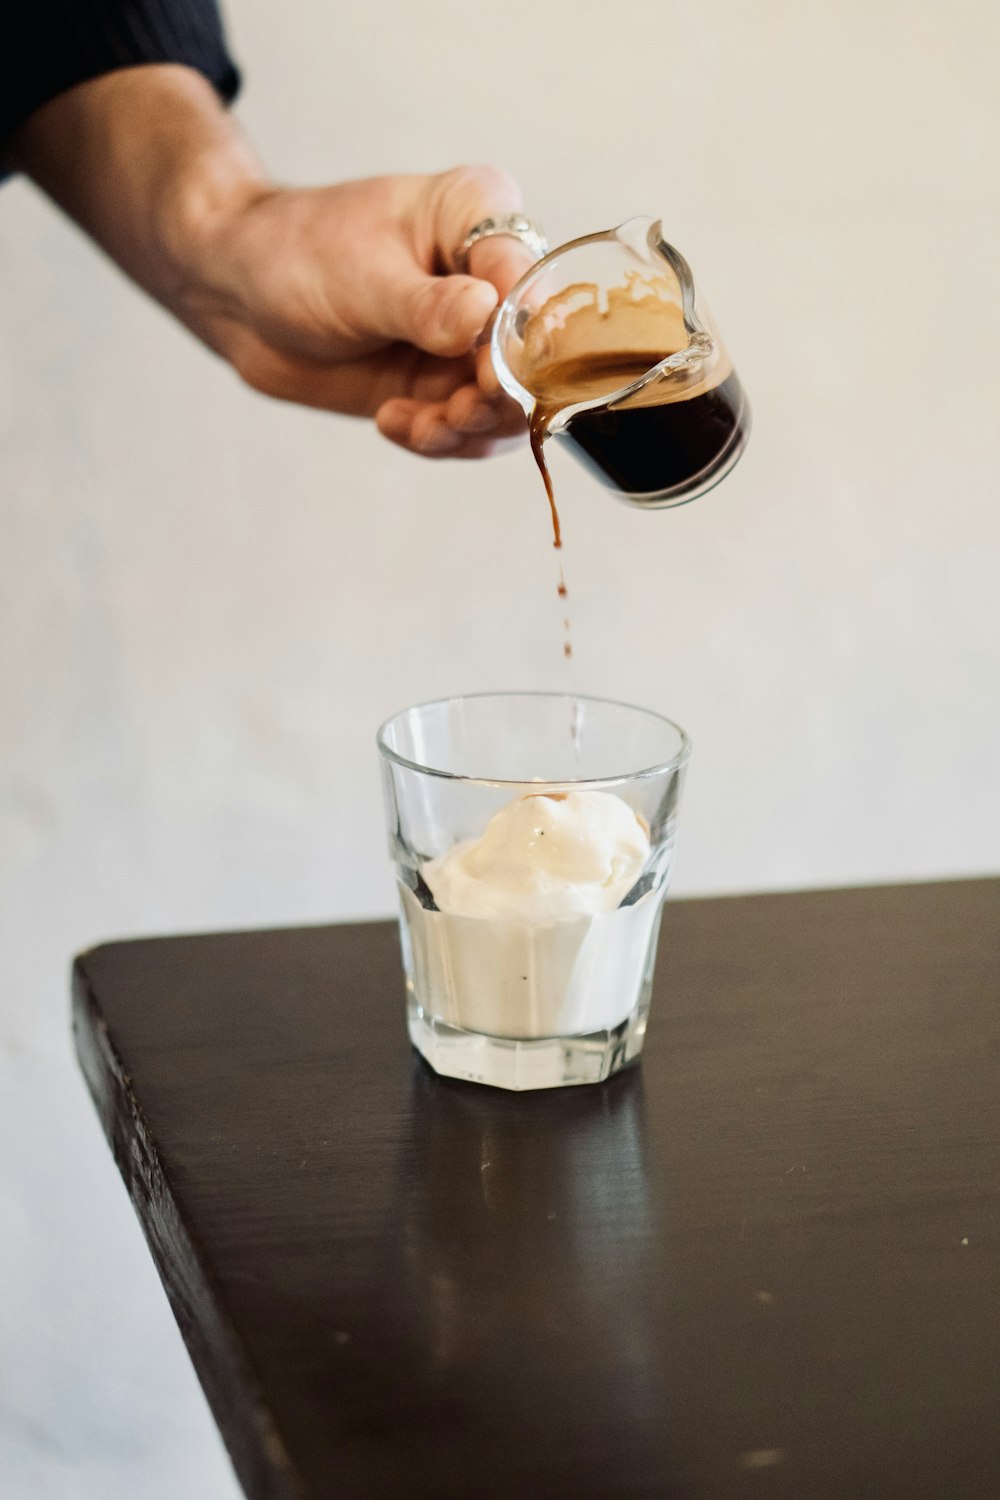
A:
(256, 1450)
(105, 945)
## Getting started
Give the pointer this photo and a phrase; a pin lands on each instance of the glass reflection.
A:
(527, 1239)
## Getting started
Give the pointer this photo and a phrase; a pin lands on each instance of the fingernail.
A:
(481, 418)
(440, 439)
(469, 309)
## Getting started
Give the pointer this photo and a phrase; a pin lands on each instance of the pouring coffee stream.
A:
(604, 345)
(536, 433)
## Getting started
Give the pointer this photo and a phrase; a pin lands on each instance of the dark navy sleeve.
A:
(48, 46)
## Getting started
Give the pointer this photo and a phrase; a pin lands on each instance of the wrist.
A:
(150, 164)
(208, 189)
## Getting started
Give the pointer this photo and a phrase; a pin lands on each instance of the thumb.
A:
(442, 315)
(463, 198)
(446, 314)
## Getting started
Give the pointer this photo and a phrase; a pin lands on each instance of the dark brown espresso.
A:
(644, 448)
(561, 589)
(537, 428)
(660, 449)
(537, 438)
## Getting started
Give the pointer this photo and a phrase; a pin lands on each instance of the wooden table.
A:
(764, 1264)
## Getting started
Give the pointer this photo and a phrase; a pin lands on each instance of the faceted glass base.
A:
(508, 1063)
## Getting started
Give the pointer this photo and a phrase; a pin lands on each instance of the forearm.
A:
(147, 161)
(347, 297)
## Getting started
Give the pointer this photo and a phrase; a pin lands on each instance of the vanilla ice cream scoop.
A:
(544, 855)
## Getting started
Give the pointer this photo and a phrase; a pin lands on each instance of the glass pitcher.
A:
(605, 346)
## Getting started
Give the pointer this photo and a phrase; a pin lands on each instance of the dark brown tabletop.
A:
(763, 1264)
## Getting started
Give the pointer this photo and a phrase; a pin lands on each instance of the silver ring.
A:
(516, 226)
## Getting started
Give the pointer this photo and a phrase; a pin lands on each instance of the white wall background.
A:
(208, 602)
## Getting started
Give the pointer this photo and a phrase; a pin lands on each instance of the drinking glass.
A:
(539, 1000)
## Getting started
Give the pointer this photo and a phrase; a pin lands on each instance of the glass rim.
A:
(698, 348)
(591, 783)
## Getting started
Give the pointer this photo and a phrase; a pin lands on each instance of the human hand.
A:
(349, 298)
(344, 297)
